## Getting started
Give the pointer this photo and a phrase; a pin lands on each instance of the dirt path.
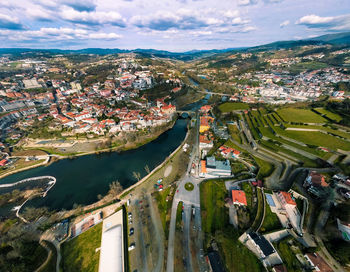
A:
(48, 258)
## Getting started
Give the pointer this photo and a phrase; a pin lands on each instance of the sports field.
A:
(300, 116)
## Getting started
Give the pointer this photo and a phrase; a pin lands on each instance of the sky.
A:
(174, 25)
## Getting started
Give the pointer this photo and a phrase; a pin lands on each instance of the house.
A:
(229, 152)
(317, 263)
(264, 247)
(290, 209)
(239, 198)
(3, 162)
(204, 142)
(205, 109)
(168, 109)
(205, 123)
(315, 179)
(211, 168)
(344, 228)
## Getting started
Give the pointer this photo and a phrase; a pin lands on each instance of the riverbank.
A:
(55, 156)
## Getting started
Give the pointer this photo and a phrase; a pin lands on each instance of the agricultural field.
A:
(330, 115)
(233, 106)
(300, 115)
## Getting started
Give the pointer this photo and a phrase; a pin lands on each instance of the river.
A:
(82, 179)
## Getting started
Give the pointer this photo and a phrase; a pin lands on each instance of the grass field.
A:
(300, 116)
(330, 115)
(163, 208)
(271, 221)
(234, 132)
(288, 256)
(215, 222)
(265, 168)
(318, 139)
(79, 254)
(233, 106)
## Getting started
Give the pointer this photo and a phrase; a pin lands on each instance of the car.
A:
(129, 214)
(131, 231)
(130, 222)
(131, 247)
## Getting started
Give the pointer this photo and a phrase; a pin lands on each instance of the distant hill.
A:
(333, 39)
(337, 38)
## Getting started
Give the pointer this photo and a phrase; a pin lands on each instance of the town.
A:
(125, 162)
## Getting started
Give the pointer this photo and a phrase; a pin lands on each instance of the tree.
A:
(136, 175)
(115, 188)
(147, 169)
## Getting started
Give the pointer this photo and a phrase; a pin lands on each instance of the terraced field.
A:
(300, 115)
(330, 115)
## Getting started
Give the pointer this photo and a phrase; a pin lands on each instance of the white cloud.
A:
(93, 18)
(247, 2)
(9, 22)
(331, 23)
(284, 23)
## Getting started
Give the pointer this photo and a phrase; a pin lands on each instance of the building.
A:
(239, 198)
(317, 263)
(290, 209)
(205, 123)
(112, 244)
(211, 168)
(264, 247)
(344, 228)
(31, 83)
(315, 179)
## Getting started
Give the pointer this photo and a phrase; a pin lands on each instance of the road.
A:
(159, 237)
(141, 243)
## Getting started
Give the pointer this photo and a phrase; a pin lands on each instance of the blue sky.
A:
(176, 25)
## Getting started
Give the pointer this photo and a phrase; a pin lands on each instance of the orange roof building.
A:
(286, 198)
(239, 198)
(203, 166)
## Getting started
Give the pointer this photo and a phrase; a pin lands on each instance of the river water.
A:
(80, 180)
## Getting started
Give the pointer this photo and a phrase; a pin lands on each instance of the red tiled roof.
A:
(239, 196)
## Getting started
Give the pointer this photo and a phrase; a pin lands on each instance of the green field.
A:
(316, 138)
(79, 254)
(288, 256)
(164, 207)
(271, 221)
(330, 115)
(300, 116)
(234, 132)
(233, 106)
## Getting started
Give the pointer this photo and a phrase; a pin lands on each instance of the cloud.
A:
(239, 21)
(183, 19)
(247, 2)
(273, 1)
(284, 23)
(40, 14)
(51, 34)
(8, 22)
(79, 5)
(335, 23)
(93, 18)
